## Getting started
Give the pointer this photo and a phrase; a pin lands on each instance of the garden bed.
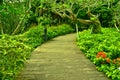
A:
(103, 50)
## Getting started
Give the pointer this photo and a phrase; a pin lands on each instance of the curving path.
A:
(60, 59)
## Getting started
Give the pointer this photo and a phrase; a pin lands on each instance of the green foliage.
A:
(116, 18)
(13, 54)
(10, 15)
(59, 30)
(107, 42)
(14, 50)
(106, 15)
(44, 12)
(34, 36)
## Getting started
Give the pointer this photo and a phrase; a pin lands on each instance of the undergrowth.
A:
(103, 50)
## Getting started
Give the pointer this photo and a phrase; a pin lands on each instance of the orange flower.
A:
(117, 60)
(108, 60)
(101, 54)
(114, 61)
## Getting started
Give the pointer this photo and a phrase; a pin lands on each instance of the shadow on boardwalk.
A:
(60, 59)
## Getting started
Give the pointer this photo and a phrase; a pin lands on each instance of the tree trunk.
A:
(96, 27)
(21, 21)
(93, 19)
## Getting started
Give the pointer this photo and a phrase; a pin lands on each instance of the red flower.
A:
(101, 54)
(108, 60)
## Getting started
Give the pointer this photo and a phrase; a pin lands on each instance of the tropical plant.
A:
(12, 16)
(103, 50)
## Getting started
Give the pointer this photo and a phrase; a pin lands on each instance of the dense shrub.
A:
(36, 34)
(59, 30)
(13, 54)
(104, 13)
(14, 50)
(103, 50)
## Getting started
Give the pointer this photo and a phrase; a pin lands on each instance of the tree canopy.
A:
(16, 16)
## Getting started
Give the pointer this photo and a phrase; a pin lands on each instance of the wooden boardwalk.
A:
(60, 59)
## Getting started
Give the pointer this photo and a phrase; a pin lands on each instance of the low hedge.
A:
(103, 50)
(14, 50)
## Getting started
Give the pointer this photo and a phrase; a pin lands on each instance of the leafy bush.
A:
(104, 12)
(106, 43)
(13, 54)
(14, 50)
(59, 30)
(35, 35)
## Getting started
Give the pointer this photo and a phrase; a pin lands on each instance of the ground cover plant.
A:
(103, 50)
(13, 53)
(15, 50)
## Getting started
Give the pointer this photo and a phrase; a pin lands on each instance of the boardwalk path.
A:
(60, 59)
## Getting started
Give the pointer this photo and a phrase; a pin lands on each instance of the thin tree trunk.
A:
(77, 31)
(19, 24)
(96, 23)
(116, 27)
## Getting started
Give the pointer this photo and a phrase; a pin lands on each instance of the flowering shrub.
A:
(117, 61)
(108, 60)
(101, 54)
(101, 58)
(103, 50)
